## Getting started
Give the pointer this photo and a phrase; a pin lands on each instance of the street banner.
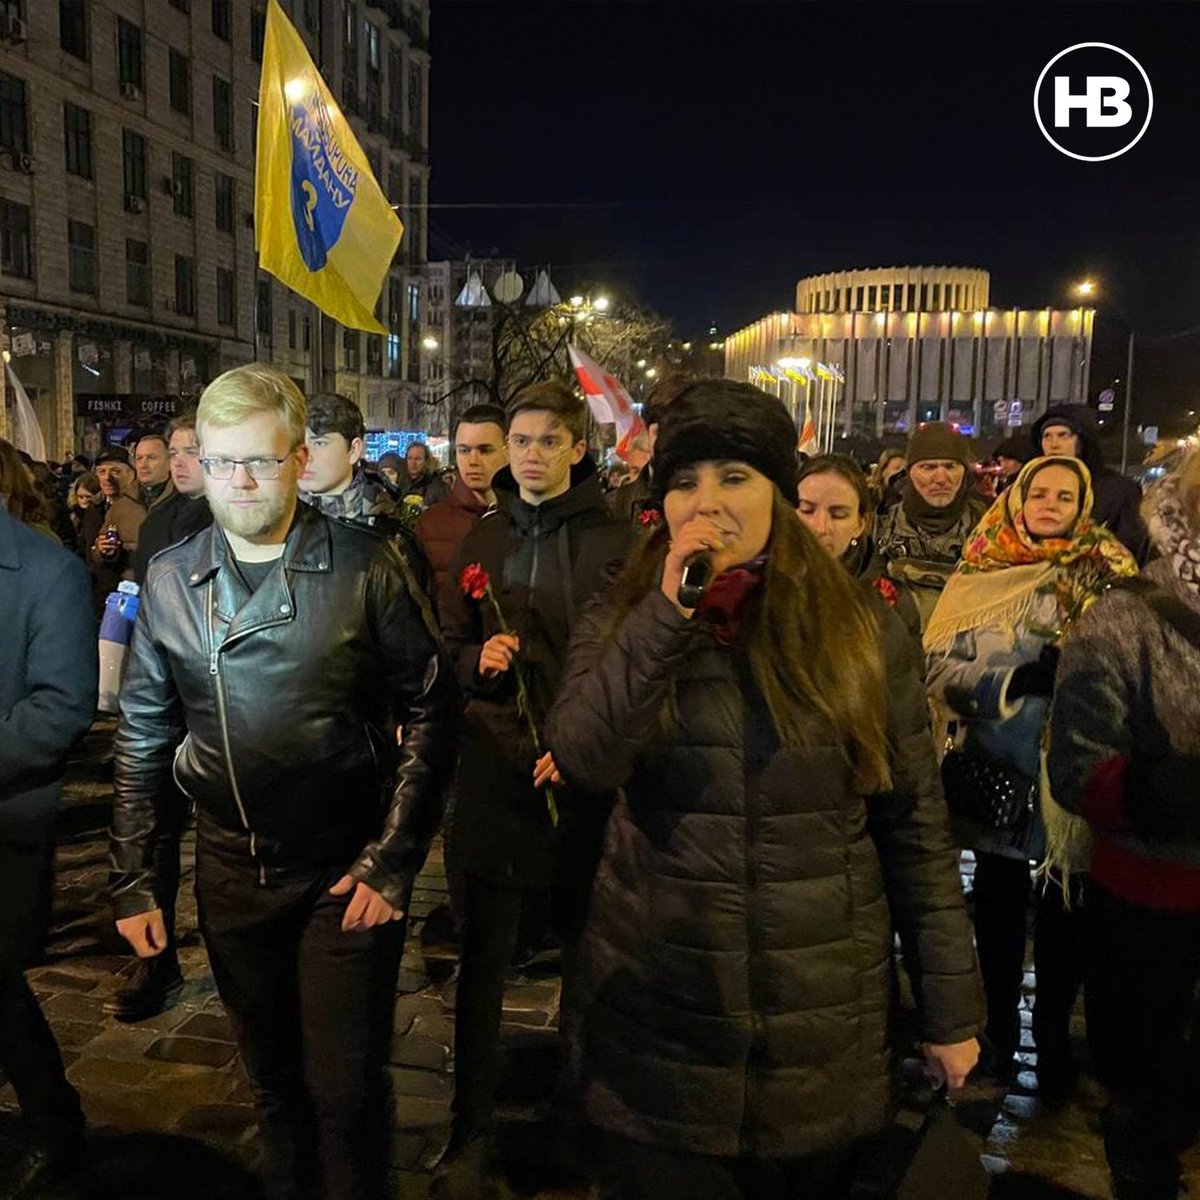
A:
(609, 401)
(322, 224)
(26, 431)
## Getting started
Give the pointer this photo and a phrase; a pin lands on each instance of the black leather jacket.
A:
(290, 698)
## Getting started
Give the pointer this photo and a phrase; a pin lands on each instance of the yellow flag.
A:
(322, 224)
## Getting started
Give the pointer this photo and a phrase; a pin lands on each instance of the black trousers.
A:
(634, 1171)
(491, 924)
(29, 1054)
(313, 1008)
(1001, 895)
(1143, 966)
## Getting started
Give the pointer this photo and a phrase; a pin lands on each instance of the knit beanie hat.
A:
(717, 419)
(937, 440)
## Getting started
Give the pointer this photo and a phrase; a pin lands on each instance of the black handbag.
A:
(988, 793)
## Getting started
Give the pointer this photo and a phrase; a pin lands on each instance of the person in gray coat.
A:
(48, 667)
(780, 811)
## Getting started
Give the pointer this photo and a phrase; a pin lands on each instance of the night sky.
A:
(701, 157)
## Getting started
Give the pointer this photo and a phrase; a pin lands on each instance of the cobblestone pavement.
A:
(170, 1111)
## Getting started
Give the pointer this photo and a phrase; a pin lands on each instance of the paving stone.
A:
(407, 1149)
(423, 1085)
(57, 980)
(435, 1027)
(411, 981)
(95, 1073)
(222, 1123)
(72, 1035)
(213, 1026)
(526, 1018)
(416, 1051)
(409, 1007)
(73, 1006)
(192, 1050)
(417, 1112)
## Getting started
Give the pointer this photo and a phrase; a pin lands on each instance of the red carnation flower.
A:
(474, 581)
(888, 590)
(649, 517)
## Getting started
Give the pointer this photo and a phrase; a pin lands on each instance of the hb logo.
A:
(1096, 98)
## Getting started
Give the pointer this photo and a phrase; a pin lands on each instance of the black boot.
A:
(153, 988)
(44, 1165)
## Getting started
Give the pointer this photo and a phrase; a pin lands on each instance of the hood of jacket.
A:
(584, 495)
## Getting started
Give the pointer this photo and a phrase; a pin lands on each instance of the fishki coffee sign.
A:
(106, 406)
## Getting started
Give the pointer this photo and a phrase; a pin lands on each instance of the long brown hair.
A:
(24, 501)
(812, 640)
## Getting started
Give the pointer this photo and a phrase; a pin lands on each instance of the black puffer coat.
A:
(735, 966)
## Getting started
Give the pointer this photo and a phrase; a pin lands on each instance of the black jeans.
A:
(29, 1054)
(491, 923)
(1001, 895)
(313, 1008)
(1143, 965)
(634, 1171)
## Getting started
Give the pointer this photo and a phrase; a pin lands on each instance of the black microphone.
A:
(697, 575)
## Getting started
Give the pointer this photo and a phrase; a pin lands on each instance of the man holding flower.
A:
(533, 569)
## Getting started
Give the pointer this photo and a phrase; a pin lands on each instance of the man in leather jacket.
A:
(290, 648)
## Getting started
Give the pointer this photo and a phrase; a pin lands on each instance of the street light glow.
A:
(429, 342)
(601, 303)
(1086, 288)
(651, 372)
(576, 301)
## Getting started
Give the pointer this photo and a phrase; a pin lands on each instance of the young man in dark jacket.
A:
(291, 648)
(156, 983)
(1071, 430)
(545, 557)
(479, 453)
(47, 699)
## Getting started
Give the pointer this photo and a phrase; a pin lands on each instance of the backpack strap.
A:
(1184, 619)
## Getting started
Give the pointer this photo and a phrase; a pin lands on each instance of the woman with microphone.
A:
(780, 796)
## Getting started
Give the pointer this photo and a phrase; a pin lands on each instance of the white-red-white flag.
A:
(607, 398)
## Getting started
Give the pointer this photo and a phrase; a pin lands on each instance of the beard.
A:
(253, 521)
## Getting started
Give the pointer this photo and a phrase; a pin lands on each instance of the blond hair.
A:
(249, 389)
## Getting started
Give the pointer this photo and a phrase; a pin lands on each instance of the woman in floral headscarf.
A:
(1033, 566)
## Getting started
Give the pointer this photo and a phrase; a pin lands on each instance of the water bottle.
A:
(116, 630)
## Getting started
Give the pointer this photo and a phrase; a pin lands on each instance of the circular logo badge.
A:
(1093, 101)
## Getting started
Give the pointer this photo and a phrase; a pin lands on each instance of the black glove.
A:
(1162, 796)
(1035, 678)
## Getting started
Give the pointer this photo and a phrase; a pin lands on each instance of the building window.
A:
(262, 309)
(14, 114)
(374, 355)
(16, 241)
(416, 218)
(130, 69)
(372, 48)
(133, 153)
(291, 329)
(181, 82)
(222, 113)
(137, 272)
(350, 349)
(225, 305)
(77, 138)
(185, 285)
(184, 6)
(306, 333)
(81, 256)
(414, 99)
(73, 27)
(414, 303)
(222, 19)
(224, 202)
(181, 184)
(258, 34)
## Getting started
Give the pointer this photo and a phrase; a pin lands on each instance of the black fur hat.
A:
(717, 419)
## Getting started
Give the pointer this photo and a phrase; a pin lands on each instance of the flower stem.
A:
(523, 704)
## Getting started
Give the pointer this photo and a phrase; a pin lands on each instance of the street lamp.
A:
(429, 342)
(1087, 287)
(601, 303)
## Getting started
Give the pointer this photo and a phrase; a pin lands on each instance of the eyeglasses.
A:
(521, 443)
(256, 468)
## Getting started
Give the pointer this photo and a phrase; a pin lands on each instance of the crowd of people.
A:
(725, 730)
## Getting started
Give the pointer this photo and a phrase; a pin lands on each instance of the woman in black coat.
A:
(780, 796)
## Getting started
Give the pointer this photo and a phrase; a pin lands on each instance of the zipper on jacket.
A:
(214, 671)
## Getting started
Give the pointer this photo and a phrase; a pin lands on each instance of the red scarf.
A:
(721, 606)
